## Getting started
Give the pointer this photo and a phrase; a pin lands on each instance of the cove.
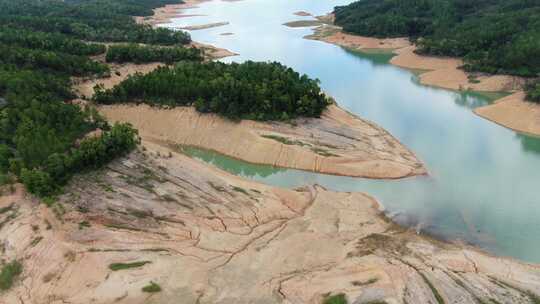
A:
(482, 187)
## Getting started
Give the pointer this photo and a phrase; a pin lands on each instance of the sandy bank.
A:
(337, 143)
(435, 71)
(168, 12)
(210, 237)
(203, 26)
(85, 89)
(514, 113)
(445, 72)
(302, 13)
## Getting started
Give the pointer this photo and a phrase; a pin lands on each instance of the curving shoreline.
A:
(517, 114)
(338, 143)
(207, 236)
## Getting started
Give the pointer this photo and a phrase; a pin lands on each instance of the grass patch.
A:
(107, 187)
(84, 224)
(7, 208)
(140, 213)
(124, 227)
(285, 140)
(364, 283)
(217, 187)
(335, 299)
(8, 218)
(124, 266)
(9, 273)
(152, 287)
(241, 190)
(36, 241)
(323, 152)
(434, 290)
(535, 299)
(168, 198)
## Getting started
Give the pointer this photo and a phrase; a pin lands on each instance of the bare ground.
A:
(214, 238)
(515, 113)
(338, 143)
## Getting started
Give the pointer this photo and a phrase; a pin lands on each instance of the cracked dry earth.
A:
(211, 237)
(338, 143)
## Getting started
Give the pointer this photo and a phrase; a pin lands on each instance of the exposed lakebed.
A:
(483, 177)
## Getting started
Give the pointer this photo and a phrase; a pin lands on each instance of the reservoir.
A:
(483, 186)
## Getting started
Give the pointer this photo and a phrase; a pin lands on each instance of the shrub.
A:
(151, 288)
(9, 273)
(123, 266)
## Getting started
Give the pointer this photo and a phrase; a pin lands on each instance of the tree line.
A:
(90, 20)
(144, 53)
(250, 90)
(532, 89)
(492, 36)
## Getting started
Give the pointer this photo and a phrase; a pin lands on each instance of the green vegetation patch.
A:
(9, 273)
(44, 44)
(533, 91)
(335, 299)
(142, 54)
(434, 290)
(249, 90)
(123, 266)
(7, 208)
(284, 140)
(323, 152)
(364, 283)
(151, 288)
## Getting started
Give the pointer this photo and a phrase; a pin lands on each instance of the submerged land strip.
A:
(512, 112)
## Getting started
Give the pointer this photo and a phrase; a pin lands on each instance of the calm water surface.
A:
(484, 183)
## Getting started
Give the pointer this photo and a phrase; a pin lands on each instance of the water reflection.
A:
(529, 143)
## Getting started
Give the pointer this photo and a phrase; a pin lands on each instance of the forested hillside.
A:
(251, 90)
(43, 44)
(492, 36)
(143, 54)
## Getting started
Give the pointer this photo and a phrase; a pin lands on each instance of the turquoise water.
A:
(483, 181)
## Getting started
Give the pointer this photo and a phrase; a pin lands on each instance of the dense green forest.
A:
(143, 53)
(533, 91)
(43, 44)
(492, 36)
(251, 90)
(90, 20)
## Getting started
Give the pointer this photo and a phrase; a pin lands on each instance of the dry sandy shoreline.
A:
(512, 112)
(211, 237)
(338, 143)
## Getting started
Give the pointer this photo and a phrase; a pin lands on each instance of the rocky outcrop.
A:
(205, 236)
